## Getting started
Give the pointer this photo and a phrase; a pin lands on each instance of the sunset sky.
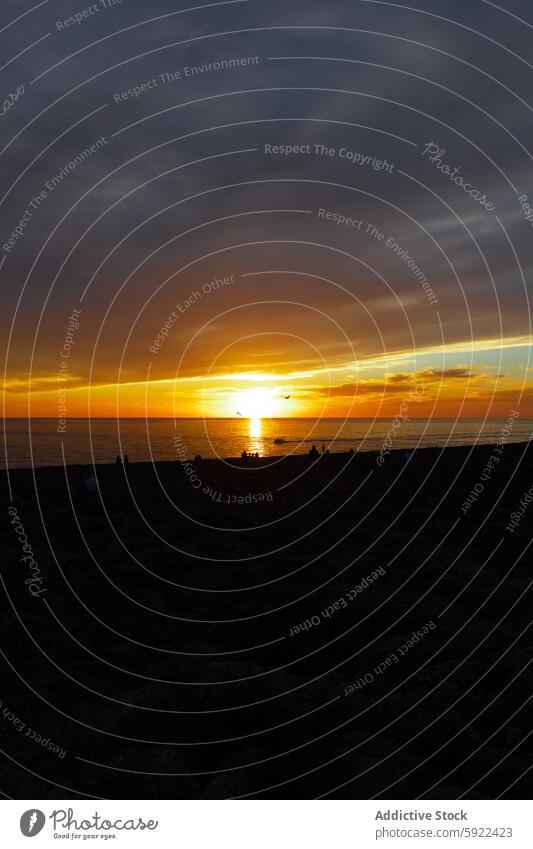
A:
(190, 266)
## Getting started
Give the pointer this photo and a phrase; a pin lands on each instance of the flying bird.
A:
(238, 414)
(286, 397)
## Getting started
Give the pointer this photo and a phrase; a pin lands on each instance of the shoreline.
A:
(274, 459)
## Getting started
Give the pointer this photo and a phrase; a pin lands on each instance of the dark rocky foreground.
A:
(253, 636)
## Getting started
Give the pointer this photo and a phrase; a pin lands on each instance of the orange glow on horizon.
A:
(372, 388)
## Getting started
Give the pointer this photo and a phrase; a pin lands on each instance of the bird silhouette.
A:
(286, 397)
(238, 414)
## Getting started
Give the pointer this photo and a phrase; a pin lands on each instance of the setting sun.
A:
(257, 403)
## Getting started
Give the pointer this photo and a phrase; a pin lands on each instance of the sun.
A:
(257, 403)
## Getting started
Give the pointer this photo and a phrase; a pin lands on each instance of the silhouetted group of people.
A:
(119, 461)
(246, 455)
(314, 453)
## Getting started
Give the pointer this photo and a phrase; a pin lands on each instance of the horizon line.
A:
(252, 418)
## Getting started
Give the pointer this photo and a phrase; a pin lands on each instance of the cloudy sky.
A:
(213, 204)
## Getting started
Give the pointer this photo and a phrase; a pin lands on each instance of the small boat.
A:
(279, 441)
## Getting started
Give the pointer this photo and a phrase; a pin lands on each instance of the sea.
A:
(37, 442)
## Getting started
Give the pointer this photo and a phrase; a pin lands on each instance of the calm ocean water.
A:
(100, 440)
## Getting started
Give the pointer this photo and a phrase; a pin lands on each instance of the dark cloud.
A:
(189, 159)
(445, 374)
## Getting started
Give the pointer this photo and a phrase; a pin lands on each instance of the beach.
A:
(270, 628)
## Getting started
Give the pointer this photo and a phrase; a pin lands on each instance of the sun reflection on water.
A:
(255, 429)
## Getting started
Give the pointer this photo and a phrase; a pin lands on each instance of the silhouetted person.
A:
(323, 449)
(90, 484)
(244, 456)
(126, 459)
(118, 460)
(313, 454)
